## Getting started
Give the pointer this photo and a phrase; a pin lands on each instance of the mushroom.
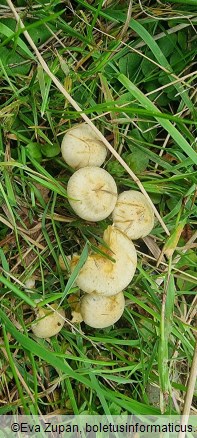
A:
(100, 274)
(50, 322)
(30, 283)
(62, 264)
(81, 147)
(93, 192)
(99, 311)
(133, 214)
(76, 317)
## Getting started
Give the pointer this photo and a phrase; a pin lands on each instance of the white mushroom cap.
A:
(93, 192)
(103, 276)
(81, 147)
(99, 311)
(133, 214)
(30, 283)
(51, 323)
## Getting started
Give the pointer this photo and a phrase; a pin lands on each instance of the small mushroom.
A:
(81, 147)
(133, 214)
(102, 275)
(99, 311)
(76, 317)
(50, 322)
(30, 283)
(62, 264)
(92, 193)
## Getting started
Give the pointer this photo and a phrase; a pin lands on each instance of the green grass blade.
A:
(165, 331)
(146, 103)
(17, 291)
(42, 352)
(13, 368)
(82, 260)
(100, 394)
(155, 49)
(5, 30)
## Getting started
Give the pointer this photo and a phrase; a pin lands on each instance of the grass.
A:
(137, 84)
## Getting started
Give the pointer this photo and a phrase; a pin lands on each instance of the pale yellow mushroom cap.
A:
(94, 191)
(99, 311)
(81, 147)
(51, 323)
(76, 317)
(30, 283)
(133, 214)
(103, 276)
(63, 265)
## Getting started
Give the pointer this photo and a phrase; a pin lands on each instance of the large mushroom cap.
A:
(99, 311)
(50, 322)
(103, 276)
(81, 147)
(93, 192)
(133, 214)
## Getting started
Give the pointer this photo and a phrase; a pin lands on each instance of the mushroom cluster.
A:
(93, 196)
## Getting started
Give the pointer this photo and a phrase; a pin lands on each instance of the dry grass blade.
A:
(190, 392)
(20, 377)
(126, 25)
(22, 232)
(84, 116)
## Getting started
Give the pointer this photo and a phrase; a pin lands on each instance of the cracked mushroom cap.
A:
(93, 192)
(99, 311)
(50, 322)
(104, 276)
(133, 214)
(81, 147)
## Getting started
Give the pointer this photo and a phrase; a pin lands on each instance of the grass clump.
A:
(135, 78)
